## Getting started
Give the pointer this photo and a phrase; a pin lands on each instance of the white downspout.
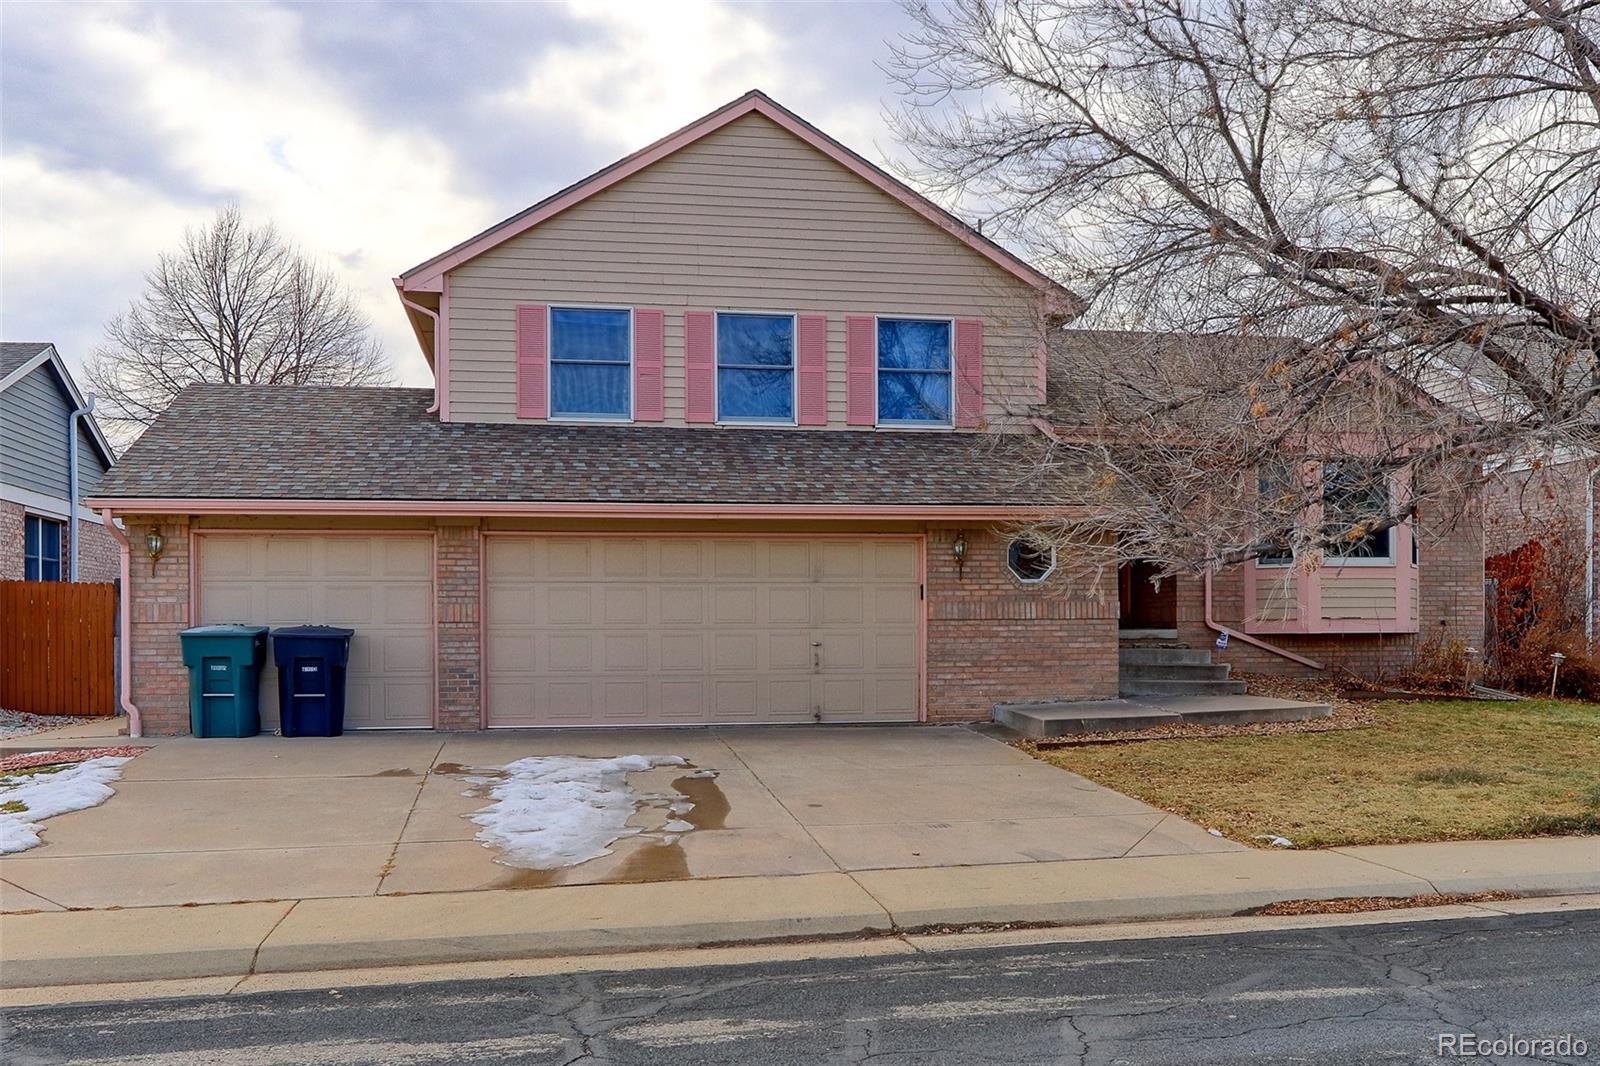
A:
(125, 622)
(72, 485)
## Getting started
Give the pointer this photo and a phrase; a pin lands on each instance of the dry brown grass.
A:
(1427, 770)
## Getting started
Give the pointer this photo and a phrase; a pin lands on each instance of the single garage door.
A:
(678, 630)
(380, 586)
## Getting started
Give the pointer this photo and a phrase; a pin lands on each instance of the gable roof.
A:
(18, 359)
(307, 449)
(14, 353)
(427, 276)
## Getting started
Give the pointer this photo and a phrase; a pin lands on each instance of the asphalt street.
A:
(1355, 994)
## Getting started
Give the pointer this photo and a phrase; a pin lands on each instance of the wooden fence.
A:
(58, 647)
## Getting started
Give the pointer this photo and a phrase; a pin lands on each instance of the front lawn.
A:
(1446, 770)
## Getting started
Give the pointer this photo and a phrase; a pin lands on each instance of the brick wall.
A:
(98, 556)
(458, 576)
(158, 612)
(993, 639)
(98, 559)
(1450, 602)
(12, 532)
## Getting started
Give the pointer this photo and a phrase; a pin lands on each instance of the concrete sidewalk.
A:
(152, 943)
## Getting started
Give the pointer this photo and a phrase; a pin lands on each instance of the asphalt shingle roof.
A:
(14, 353)
(329, 443)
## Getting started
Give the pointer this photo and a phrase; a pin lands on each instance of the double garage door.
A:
(678, 630)
(583, 630)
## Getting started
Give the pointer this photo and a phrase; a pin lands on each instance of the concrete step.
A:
(1070, 718)
(1175, 671)
(1159, 656)
(1135, 686)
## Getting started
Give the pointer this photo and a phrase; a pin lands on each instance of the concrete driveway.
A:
(209, 821)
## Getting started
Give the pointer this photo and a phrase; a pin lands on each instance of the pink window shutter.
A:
(861, 377)
(649, 347)
(969, 372)
(533, 361)
(700, 366)
(811, 358)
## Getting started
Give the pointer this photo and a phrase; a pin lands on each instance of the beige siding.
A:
(1358, 592)
(1276, 599)
(748, 218)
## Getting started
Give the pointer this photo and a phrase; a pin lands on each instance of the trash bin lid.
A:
(323, 632)
(230, 629)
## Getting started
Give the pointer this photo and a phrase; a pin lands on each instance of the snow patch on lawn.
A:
(560, 810)
(45, 795)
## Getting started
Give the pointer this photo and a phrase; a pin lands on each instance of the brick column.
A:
(993, 639)
(457, 584)
(159, 611)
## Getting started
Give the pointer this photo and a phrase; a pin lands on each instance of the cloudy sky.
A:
(375, 134)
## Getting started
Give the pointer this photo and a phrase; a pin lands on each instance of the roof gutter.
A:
(561, 509)
(124, 624)
(1216, 627)
(438, 371)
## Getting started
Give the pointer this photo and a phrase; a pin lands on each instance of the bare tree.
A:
(238, 304)
(1347, 241)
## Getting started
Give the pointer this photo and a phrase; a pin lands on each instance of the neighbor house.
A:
(722, 433)
(39, 439)
(1553, 507)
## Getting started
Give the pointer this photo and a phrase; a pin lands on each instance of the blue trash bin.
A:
(311, 667)
(224, 677)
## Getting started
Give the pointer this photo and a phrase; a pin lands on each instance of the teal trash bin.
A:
(224, 679)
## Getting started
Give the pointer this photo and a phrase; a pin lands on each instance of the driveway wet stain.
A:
(653, 862)
(524, 878)
(399, 771)
(711, 807)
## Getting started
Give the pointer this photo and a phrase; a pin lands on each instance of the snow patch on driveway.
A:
(28, 799)
(560, 810)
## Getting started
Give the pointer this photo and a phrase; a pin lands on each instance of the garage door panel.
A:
(624, 605)
(565, 558)
(288, 557)
(681, 604)
(566, 605)
(733, 559)
(380, 586)
(635, 630)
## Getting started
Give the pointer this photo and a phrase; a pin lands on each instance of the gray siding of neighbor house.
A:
(33, 424)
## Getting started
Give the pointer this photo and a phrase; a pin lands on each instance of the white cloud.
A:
(260, 125)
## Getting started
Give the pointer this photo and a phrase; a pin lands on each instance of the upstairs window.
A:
(41, 549)
(914, 372)
(591, 357)
(1353, 494)
(755, 368)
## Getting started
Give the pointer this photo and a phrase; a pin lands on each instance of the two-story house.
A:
(45, 426)
(711, 440)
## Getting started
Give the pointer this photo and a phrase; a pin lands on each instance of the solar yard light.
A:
(1555, 671)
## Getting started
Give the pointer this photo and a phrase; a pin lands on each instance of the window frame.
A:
(35, 561)
(877, 407)
(1042, 578)
(1336, 560)
(550, 362)
(716, 368)
(1270, 562)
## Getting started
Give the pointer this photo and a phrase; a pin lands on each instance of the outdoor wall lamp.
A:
(959, 551)
(154, 544)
